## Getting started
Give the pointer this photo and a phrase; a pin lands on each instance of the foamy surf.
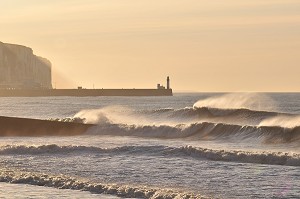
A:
(65, 182)
(264, 157)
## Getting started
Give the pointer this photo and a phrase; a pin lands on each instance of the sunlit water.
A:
(139, 144)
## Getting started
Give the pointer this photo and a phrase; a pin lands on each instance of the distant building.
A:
(21, 69)
(159, 86)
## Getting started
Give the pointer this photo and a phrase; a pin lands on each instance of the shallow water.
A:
(12, 191)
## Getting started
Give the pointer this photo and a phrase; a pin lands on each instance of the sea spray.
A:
(236, 101)
(173, 117)
(112, 114)
(287, 121)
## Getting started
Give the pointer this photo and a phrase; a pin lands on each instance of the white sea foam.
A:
(65, 182)
(68, 119)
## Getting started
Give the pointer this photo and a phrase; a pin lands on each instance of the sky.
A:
(203, 45)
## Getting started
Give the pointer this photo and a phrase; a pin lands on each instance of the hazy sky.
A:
(203, 45)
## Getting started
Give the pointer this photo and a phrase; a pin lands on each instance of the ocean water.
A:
(192, 145)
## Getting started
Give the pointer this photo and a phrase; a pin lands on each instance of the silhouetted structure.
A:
(84, 92)
(161, 87)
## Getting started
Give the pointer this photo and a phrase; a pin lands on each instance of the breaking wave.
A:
(117, 114)
(65, 182)
(202, 131)
(236, 101)
(271, 158)
(232, 116)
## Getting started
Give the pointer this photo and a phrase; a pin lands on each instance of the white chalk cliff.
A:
(20, 68)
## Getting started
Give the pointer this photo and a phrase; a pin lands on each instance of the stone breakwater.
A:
(11, 126)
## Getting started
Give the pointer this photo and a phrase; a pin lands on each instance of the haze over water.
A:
(203, 45)
(239, 140)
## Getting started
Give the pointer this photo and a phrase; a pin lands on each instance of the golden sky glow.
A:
(203, 45)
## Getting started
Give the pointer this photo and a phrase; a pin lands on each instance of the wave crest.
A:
(169, 116)
(272, 158)
(65, 182)
(54, 149)
(265, 157)
(202, 131)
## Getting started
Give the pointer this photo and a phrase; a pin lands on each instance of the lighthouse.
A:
(168, 82)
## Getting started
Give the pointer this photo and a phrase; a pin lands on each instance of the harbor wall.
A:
(83, 92)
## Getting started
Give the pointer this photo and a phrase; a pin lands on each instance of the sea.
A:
(190, 145)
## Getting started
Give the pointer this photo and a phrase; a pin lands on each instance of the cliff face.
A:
(20, 68)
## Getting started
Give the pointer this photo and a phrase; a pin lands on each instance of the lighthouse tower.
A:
(168, 82)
